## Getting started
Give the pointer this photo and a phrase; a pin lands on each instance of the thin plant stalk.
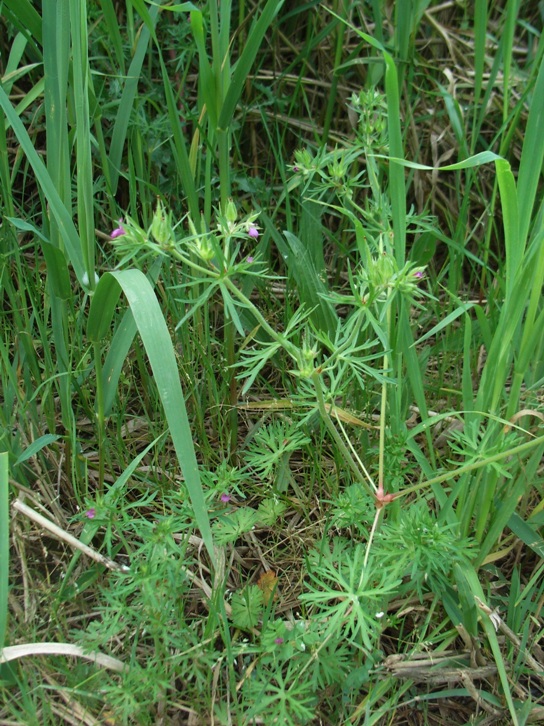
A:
(100, 417)
(383, 414)
(325, 416)
(4, 545)
(473, 466)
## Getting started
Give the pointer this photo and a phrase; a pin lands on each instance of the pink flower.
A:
(90, 513)
(253, 231)
(225, 498)
(278, 641)
(118, 231)
(250, 259)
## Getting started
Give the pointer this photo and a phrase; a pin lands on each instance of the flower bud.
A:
(384, 270)
(161, 226)
(204, 248)
(230, 212)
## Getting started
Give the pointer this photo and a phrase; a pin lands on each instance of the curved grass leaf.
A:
(36, 446)
(154, 333)
(484, 157)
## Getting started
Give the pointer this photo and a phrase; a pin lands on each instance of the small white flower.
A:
(380, 615)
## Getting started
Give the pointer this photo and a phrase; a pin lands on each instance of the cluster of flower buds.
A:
(160, 238)
(370, 110)
(305, 163)
(228, 223)
(306, 362)
(381, 276)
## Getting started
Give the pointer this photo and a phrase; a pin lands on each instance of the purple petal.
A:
(118, 231)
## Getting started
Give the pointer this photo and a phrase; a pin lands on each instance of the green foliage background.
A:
(284, 427)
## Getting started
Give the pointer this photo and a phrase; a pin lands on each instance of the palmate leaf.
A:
(348, 595)
(247, 607)
(270, 510)
(229, 527)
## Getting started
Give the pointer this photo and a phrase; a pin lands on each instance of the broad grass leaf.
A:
(160, 351)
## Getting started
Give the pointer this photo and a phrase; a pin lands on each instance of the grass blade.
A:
(160, 351)
(480, 599)
(183, 165)
(4, 545)
(127, 102)
(511, 223)
(310, 285)
(81, 88)
(26, 18)
(62, 215)
(119, 347)
(246, 60)
(532, 156)
(397, 184)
